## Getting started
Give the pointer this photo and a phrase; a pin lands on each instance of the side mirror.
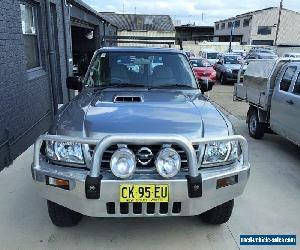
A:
(73, 82)
(205, 86)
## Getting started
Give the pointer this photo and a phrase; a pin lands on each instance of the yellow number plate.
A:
(144, 193)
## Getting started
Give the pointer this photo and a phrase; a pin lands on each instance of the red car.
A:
(203, 70)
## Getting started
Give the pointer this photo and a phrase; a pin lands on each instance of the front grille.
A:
(149, 208)
(235, 72)
(105, 164)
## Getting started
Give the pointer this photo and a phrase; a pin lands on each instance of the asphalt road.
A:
(270, 205)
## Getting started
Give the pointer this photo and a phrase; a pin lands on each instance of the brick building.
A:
(39, 41)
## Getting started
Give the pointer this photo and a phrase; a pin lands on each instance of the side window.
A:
(94, 74)
(287, 78)
(30, 35)
(297, 86)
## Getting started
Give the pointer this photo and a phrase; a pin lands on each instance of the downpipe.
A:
(51, 52)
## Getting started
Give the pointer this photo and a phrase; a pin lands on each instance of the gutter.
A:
(66, 28)
(51, 52)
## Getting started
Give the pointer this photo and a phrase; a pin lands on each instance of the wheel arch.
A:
(263, 115)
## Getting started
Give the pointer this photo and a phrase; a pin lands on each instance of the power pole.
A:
(231, 35)
(278, 23)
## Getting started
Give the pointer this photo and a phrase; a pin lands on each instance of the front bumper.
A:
(75, 197)
(207, 79)
(230, 76)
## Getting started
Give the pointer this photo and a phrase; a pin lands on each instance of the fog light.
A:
(123, 163)
(227, 181)
(168, 162)
(64, 184)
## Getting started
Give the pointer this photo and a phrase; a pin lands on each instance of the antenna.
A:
(135, 10)
(123, 8)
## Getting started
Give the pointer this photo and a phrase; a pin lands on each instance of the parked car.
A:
(260, 55)
(210, 55)
(140, 144)
(272, 89)
(189, 54)
(203, 70)
(292, 54)
(262, 50)
(239, 52)
(227, 68)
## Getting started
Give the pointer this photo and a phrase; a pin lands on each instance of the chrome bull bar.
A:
(145, 139)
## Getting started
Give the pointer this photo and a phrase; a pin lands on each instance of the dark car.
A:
(189, 54)
(227, 68)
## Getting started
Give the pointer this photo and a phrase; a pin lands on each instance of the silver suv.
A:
(140, 140)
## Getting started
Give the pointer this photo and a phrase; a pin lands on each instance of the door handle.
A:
(290, 102)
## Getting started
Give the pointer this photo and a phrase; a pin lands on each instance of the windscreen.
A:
(212, 55)
(147, 69)
(200, 63)
(231, 60)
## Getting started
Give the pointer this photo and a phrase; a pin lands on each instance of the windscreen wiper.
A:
(167, 86)
(120, 85)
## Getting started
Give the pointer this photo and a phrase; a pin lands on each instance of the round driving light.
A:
(123, 163)
(168, 162)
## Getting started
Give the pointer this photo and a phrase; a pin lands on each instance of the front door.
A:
(281, 118)
(294, 102)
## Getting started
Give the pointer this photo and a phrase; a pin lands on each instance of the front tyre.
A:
(62, 216)
(218, 215)
(223, 80)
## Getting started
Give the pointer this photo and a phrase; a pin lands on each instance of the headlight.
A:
(168, 162)
(123, 163)
(219, 152)
(65, 151)
(228, 70)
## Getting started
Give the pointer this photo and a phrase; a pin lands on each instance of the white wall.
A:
(289, 29)
(223, 47)
(264, 18)
(217, 46)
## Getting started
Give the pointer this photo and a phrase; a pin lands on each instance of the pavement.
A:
(269, 205)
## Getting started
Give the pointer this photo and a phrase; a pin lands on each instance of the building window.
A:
(223, 26)
(237, 23)
(217, 26)
(30, 35)
(264, 30)
(246, 22)
(229, 26)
